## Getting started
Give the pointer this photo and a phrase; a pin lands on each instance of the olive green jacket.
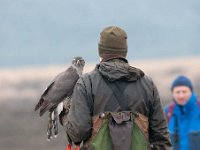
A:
(92, 96)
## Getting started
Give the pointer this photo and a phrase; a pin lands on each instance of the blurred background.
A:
(39, 38)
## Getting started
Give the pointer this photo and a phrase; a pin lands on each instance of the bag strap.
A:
(199, 102)
(121, 99)
(170, 111)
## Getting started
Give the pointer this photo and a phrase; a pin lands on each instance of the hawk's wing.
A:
(58, 90)
(41, 101)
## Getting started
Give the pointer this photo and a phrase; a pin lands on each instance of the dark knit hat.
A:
(113, 42)
(182, 81)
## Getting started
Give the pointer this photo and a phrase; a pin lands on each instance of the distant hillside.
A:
(29, 83)
(164, 71)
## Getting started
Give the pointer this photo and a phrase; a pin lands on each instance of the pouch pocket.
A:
(120, 128)
(194, 138)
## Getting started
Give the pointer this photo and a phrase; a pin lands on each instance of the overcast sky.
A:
(34, 32)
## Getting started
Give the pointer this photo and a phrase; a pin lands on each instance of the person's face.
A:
(181, 94)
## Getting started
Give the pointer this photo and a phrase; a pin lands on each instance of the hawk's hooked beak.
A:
(78, 61)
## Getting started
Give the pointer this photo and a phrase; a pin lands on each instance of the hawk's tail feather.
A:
(47, 105)
(39, 104)
(42, 100)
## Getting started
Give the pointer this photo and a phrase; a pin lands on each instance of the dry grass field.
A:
(22, 129)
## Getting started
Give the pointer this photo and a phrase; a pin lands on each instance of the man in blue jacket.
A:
(183, 115)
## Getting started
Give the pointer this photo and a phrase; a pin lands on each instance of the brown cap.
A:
(113, 41)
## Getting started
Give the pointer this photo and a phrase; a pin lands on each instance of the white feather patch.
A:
(60, 107)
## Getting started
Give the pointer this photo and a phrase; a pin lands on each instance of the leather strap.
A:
(121, 98)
